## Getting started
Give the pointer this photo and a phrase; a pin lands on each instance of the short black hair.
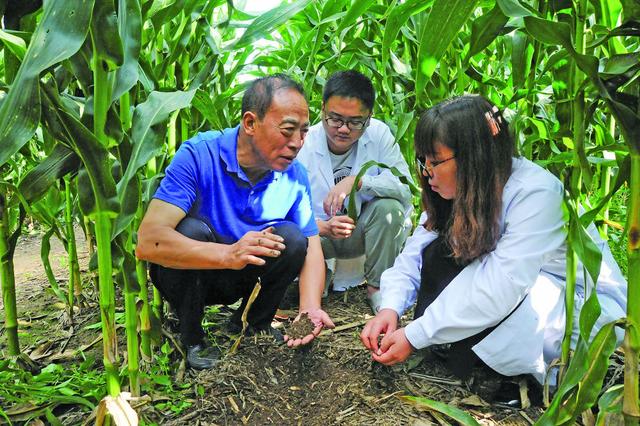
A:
(350, 84)
(259, 95)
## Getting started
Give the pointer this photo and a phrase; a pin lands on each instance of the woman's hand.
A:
(394, 348)
(386, 321)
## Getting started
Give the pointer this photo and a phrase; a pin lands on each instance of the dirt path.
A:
(29, 272)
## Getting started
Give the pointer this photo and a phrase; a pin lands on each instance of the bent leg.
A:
(185, 289)
(438, 270)
(383, 224)
(275, 276)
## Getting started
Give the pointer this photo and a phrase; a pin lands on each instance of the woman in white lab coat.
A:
(486, 264)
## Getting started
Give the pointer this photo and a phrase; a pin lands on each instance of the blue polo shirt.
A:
(205, 180)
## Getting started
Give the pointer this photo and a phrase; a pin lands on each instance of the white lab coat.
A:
(528, 263)
(378, 144)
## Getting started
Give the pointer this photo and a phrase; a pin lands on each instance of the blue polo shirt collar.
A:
(228, 154)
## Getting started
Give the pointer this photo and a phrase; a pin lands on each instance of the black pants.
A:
(438, 270)
(189, 291)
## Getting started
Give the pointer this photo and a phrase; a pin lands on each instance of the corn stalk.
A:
(8, 280)
(75, 282)
(631, 345)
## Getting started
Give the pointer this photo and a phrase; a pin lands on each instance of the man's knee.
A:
(386, 212)
(294, 240)
(195, 229)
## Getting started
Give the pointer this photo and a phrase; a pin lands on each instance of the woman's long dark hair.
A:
(479, 136)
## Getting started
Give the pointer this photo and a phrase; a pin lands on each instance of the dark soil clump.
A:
(301, 328)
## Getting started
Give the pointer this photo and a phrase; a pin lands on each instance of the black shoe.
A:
(485, 383)
(251, 330)
(201, 357)
(441, 352)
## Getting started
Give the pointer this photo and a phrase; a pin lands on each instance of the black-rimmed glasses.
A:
(428, 168)
(336, 123)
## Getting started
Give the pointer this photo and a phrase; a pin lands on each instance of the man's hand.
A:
(395, 348)
(337, 227)
(320, 319)
(385, 322)
(246, 250)
(334, 200)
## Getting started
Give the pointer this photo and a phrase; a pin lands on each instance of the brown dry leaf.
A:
(41, 351)
(21, 409)
(474, 401)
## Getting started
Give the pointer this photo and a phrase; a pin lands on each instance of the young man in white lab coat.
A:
(334, 151)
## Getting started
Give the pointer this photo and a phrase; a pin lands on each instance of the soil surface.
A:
(333, 381)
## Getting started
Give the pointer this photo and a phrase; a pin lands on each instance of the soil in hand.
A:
(301, 328)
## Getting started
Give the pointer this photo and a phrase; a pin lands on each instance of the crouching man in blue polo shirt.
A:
(233, 207)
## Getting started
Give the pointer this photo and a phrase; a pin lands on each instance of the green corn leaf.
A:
(629, 123)
(129, 28)
(51, 418)
(203, 103)
(597, 364)
(622, 177)
(457, 414)
(521, 53)
(177, 44)
(549, 32)
(610, 405)
(583, 380)
(104, 32)
(485, 29)
(15, 44)
(128, 270)
(149, 128)
(79, 65)
(38, 180)
(351, 208)
(267, 22)
(514, 9)
(71, 399)
(443, 24)
(61, 32)
(357, 9)
(583, 244)
(45, 249)
(620, 64)
(559, 33)
(631, 10)
(93, 155)
(397, 19)
(589, 314)
(404, 120)
(130, 197)
(331, 12)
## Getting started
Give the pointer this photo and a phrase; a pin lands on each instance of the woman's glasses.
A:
(427, 169)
